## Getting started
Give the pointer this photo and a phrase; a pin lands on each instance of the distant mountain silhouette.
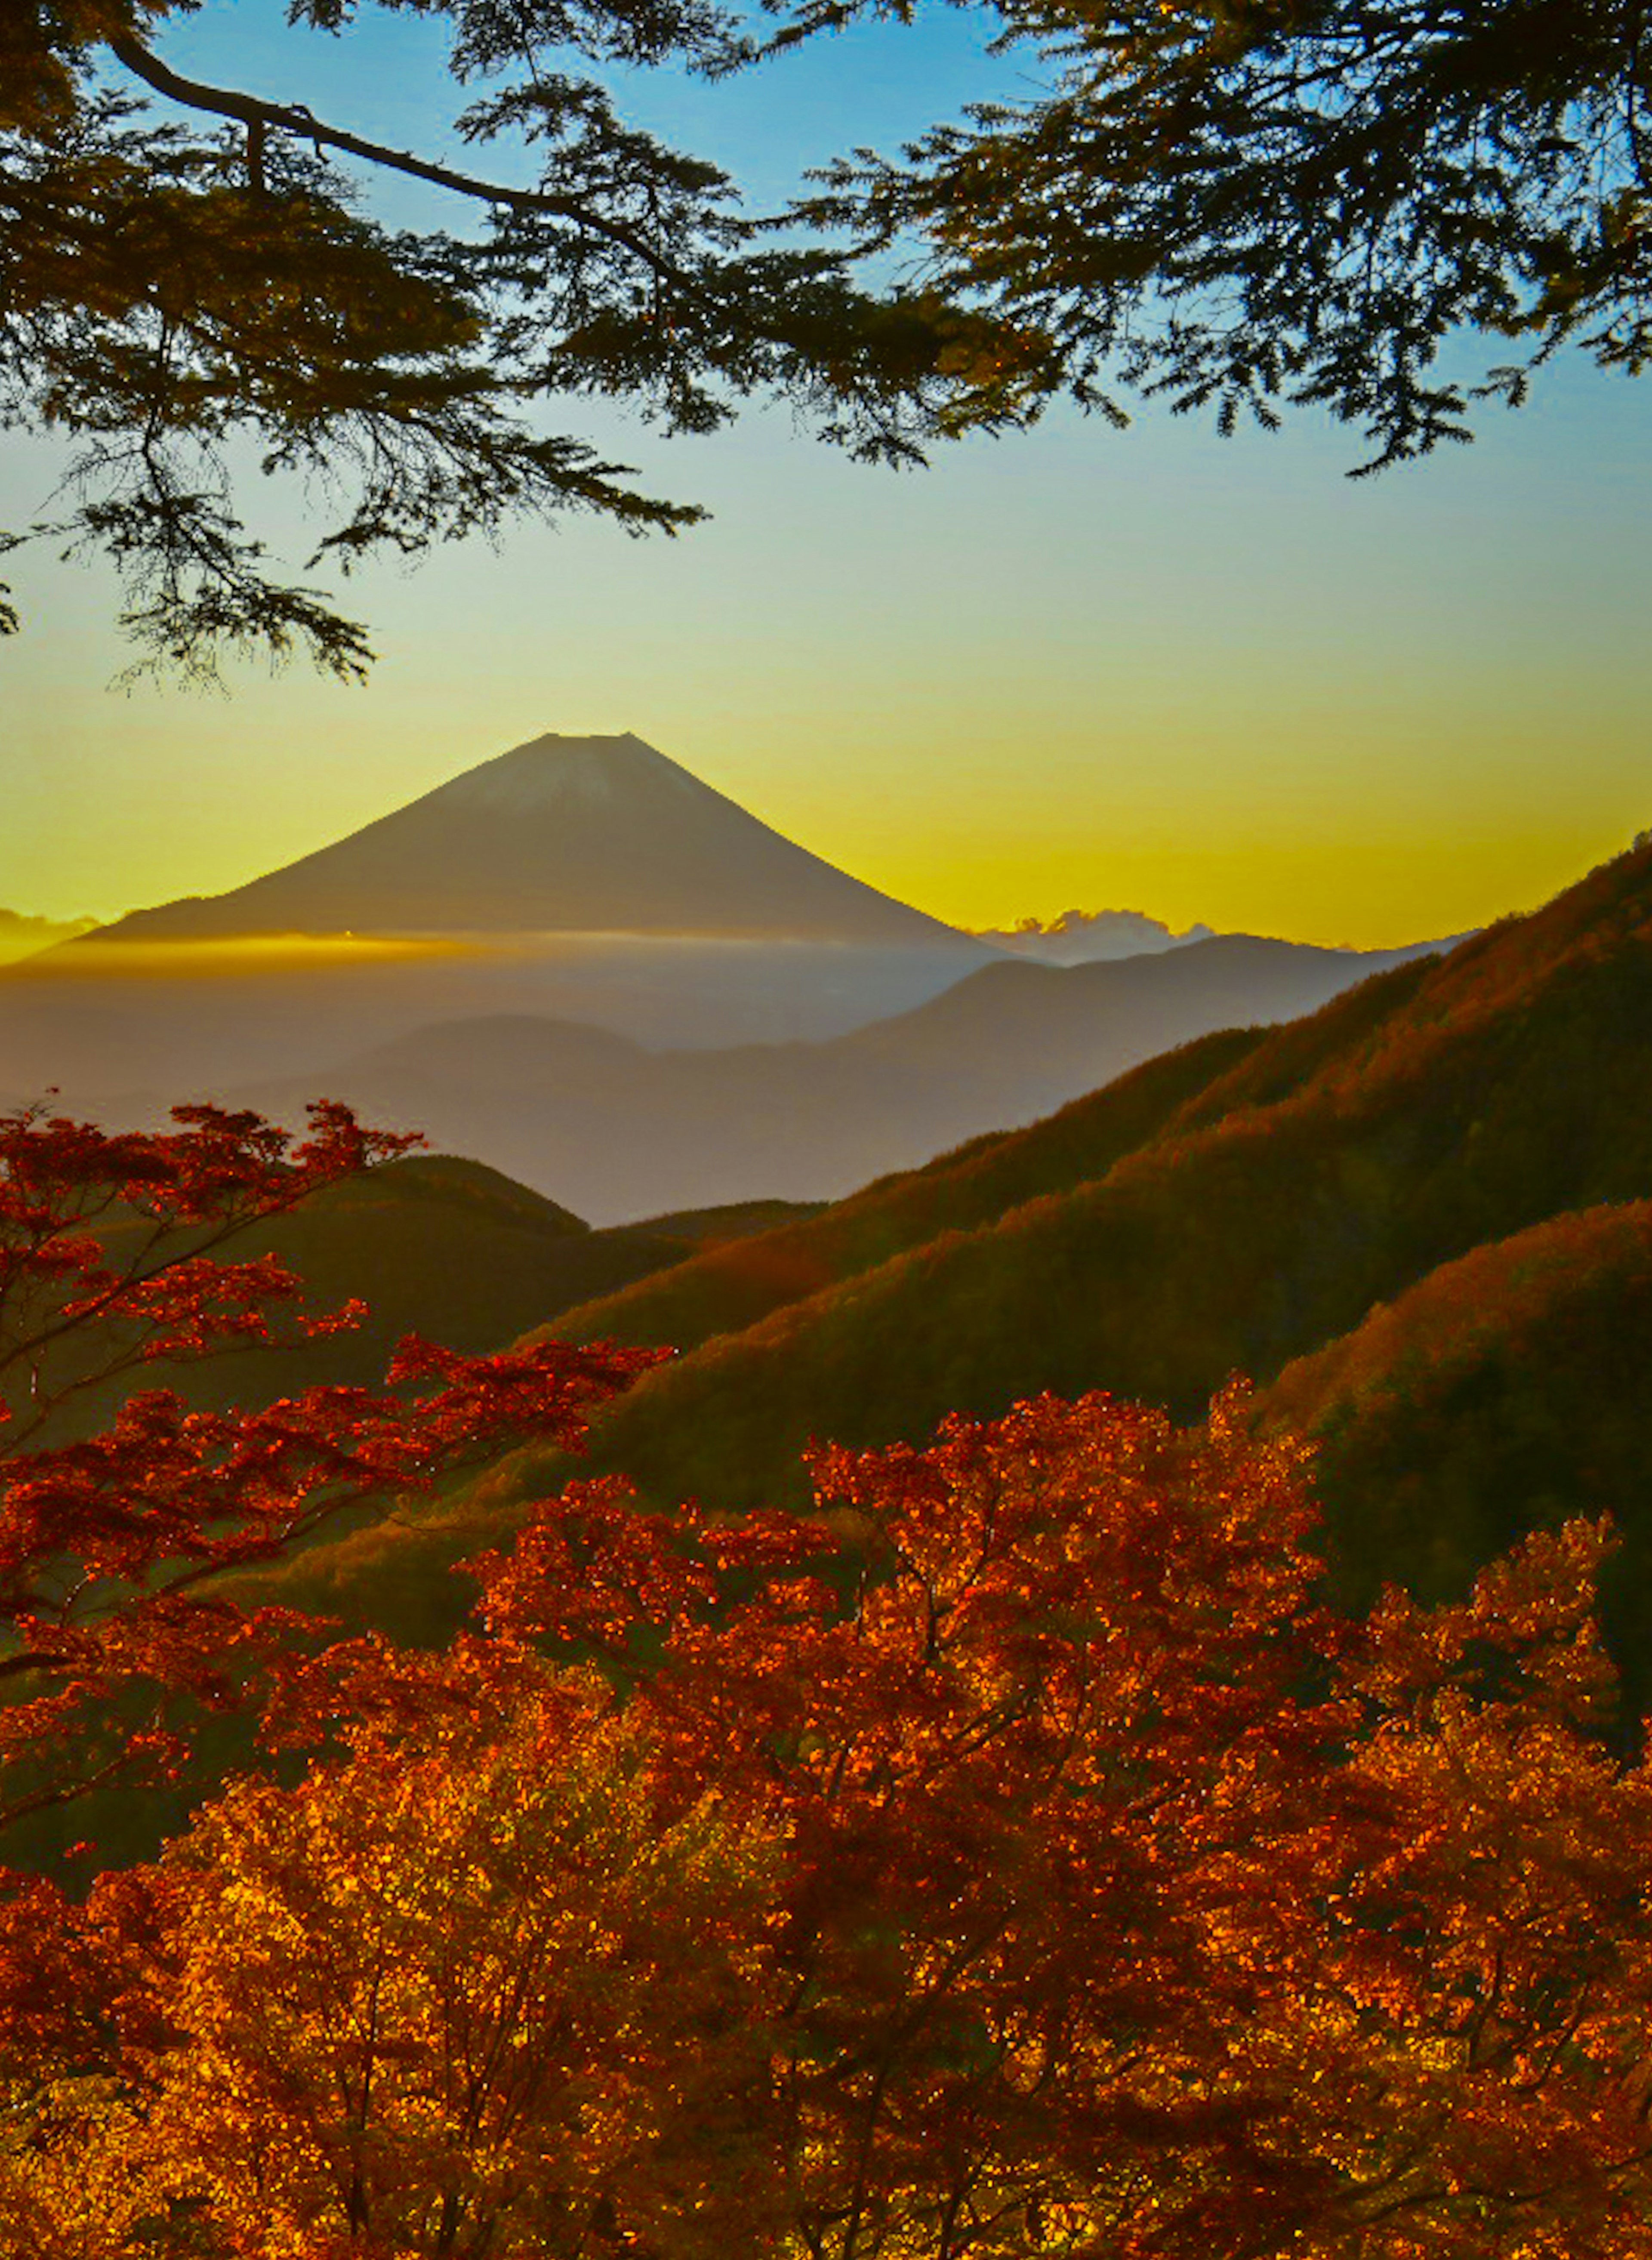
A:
(1085, 937)
(578, 879)
(586, 835)
(619, 1132)
(23, 935)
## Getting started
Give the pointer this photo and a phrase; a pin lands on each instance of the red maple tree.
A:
(1011, 1857)
(116, 1256)
(1136, 1906)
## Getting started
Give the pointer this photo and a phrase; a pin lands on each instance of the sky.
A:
(1072, 669)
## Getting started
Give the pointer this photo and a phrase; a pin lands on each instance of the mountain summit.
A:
(562, 836)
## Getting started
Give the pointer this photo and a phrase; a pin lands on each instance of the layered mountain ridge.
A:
(1416, 1219)
(620, 1132)
(580, 964)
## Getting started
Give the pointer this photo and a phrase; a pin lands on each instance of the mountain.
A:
(525, 963)
(1332, 1165)
(433, 1245)
(1014, 1039)
(581, 879)
(725, 1289)
(1500, 1393)
(23, 935)
(1242, 1206)
(1079, 937)
(619, 1132)
(561, 835)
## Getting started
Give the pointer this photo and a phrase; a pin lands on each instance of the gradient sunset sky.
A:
(1205, 679)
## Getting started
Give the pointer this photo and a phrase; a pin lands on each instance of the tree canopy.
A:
(1014, 1855)
(1235, 204)
(1008, 1859)
(118, 1260)
(1250, 203)
(184, 264)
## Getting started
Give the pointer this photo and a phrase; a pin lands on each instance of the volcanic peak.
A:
(595, 835)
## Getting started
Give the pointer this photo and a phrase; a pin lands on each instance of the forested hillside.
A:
(1501, 1394)
(1229, 1209)
(1326, 1167)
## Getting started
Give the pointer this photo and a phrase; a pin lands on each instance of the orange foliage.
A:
(1040, 1872)
(1011, 1857)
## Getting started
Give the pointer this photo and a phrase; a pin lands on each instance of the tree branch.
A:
(258, 117)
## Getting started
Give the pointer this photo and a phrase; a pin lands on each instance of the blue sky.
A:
(1073, 668)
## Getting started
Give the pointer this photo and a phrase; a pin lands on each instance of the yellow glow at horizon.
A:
(237, 955)
(1384, 850)
(1207, 683)
(1369, 899)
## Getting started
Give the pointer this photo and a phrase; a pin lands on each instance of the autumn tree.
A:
(1008, 1858)
(184, 266)
(1135, 1907)
(456, 1992)
(442, 1997)
(1246, 207)
(116, 1256)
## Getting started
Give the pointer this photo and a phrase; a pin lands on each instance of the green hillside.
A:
(727, 1288)
(1337, 1161)
(702, 1228)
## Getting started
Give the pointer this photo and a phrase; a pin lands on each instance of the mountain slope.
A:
(728, 1289)
(586, 880)
(596, 835)
(1293, 1184)
(23, 935)
(1501, 1394)
(432, 1245)
(723, 1290)
(1493, 1089)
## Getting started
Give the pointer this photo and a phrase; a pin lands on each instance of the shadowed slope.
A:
(1336, 1163)
(1503, 1392)
(1324, 1169)
(727, 1289)
(432, 1245)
